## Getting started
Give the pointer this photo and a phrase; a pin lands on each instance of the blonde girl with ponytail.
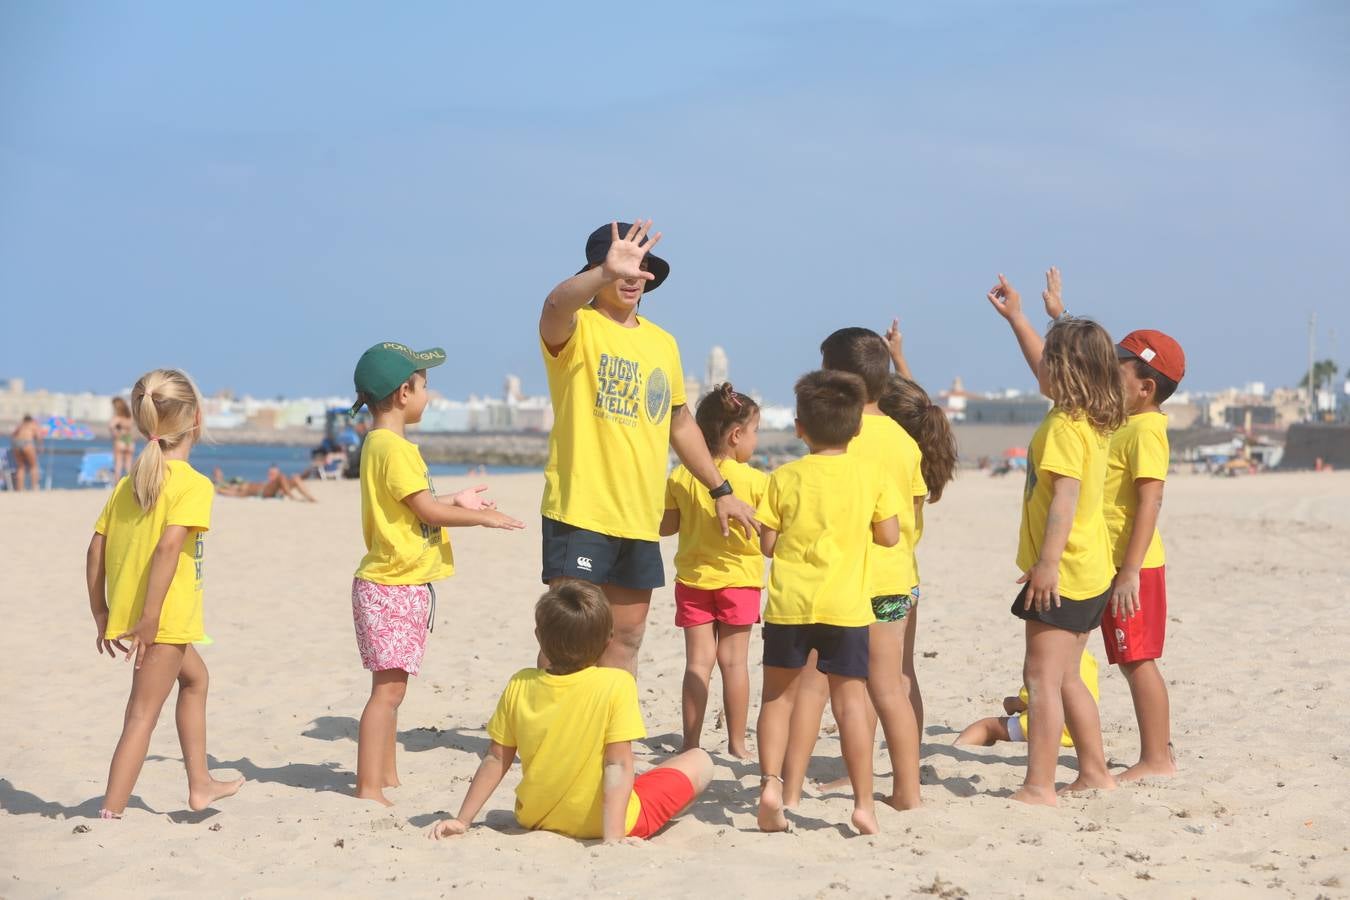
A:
(144, 573)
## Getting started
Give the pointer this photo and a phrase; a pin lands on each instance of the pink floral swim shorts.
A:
(391, 624)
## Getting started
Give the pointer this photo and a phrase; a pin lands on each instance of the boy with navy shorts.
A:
(819, 515)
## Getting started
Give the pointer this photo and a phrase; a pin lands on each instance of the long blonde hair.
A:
(1081, 375)
(165, 404)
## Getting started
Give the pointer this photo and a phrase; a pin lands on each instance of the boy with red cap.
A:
(1134, 624)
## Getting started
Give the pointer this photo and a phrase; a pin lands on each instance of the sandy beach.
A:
(1257, 662)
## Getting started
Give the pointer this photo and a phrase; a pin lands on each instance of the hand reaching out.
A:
(1005, 299)
(624, 259)
(469, 498)
(1054, 302)
(895, 343)
(446, 828)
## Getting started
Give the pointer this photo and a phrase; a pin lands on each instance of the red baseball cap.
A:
(1156, 349)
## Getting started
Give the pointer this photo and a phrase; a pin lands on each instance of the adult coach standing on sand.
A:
(618, 400)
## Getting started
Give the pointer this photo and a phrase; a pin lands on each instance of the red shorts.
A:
(730, 605)
(1139, 637)
(662, 793)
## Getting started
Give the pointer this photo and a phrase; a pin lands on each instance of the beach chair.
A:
(96, 468)
(333, 467)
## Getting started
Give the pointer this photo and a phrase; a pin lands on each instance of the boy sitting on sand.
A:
(574, 724)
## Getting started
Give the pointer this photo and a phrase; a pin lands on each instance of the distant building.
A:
(1022, 409)
(718, 368)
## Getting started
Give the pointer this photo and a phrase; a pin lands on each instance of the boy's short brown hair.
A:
(861, 351)
(829, 406)
(574, 624)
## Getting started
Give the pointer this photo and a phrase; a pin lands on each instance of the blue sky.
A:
(257, 192)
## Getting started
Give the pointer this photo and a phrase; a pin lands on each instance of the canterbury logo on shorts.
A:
(584, 562)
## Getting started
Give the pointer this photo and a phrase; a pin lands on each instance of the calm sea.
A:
(247, 461)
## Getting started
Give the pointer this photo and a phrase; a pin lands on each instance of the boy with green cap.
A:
(403, 522)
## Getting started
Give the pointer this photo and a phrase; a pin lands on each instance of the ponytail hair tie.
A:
(155, 438)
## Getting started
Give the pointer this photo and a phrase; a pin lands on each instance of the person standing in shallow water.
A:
(617, 388)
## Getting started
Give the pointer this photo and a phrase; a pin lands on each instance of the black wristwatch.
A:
(722, 490)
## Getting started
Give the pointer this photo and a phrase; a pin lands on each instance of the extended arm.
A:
(618, 787)
(438, 513)
(895, 344)
(496, 762)
(559, 317)
(95, 576)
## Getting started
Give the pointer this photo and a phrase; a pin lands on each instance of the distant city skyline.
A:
(257, 192)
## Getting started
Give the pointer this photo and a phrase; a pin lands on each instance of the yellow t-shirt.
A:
(1074, 449)
(400, 548)
(823, 508)
(132, 534)
(893, 570)
(613, 389)
(560, 724)
(1138, 450)
(704, 559)
(1087, 670)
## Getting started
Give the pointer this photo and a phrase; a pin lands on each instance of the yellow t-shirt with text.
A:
(1087, 670)
(893, 570)
(823, 508)
(1138, 450)
(560, 725)
(704, 559)
(1071, 447)
(400, 548)
(613, 390)
(131, 535)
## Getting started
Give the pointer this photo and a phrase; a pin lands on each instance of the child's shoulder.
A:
(183, 478)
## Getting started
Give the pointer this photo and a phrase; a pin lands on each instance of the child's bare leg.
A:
(700, 652)
(848, 697)
(150, 686)
(984, 733)
(733, 660)
(775, 718)
(378, 721)
(886, 642)
(390, 777)
(629, 607)
(909, 678)
(697, 766)
(1049, 653)
(813, 692)
(1085, 727)
(190, 717)
(1153, 710)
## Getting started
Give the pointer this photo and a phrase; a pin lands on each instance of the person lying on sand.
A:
(278, 484)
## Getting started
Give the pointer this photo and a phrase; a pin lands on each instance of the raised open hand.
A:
(624, 259)
(1005, 299)
(895, 340)
(1054, 302)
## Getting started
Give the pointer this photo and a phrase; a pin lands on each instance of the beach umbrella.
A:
(1015, 453)
(62, 428)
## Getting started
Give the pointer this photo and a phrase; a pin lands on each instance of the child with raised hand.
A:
(144, 573)
(820, 515)
(718, 579)
(1134, 627)
(403, 522)
(892, 581)
(574, 724)
(1064, 550)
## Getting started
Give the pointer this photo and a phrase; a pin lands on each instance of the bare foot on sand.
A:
(376, 795)
(895, 803)
(831, 787)
(1090, 783)
(391, 781)
(1144, 769)
(1034, 796)
(865, 820)
(771, 817)
(741, 753)
(199, 798)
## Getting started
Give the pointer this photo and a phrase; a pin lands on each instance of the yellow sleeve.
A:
(917, 486)
(625, 716)
(766, 511)
(1150, 455)
(502, 727)
(888, 500)
(671, 502)
(101, 525)
(1065, 451)
(405, 472)
(564, 357)
(759, 484)
(192, 507)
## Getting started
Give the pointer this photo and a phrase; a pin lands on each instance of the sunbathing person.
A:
(278, 484)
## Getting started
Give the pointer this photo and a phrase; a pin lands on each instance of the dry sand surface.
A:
(1256, 658)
